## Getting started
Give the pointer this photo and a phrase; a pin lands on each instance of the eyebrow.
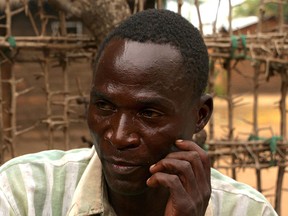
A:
(156, 101)
(94, 93)
(144, 101)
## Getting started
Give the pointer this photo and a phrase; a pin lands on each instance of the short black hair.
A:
(167, 27)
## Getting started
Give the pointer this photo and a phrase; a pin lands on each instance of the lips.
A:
(123, 167)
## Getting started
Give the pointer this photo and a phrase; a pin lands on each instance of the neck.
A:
(151, 202)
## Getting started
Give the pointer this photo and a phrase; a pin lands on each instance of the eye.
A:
(151, 113)
(104, 105)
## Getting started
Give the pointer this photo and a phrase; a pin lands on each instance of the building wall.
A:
(21, 25)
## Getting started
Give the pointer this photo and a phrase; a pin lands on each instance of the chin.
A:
(127, 188)
(125, 179)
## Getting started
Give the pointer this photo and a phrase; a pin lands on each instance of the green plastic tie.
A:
(234, 47)
(11, 40)
(272, 145)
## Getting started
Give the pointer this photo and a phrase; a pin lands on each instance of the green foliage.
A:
(248, 8)
(251, 8)
(220, 90)
(220, 87)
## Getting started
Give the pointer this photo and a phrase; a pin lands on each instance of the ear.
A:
(204, 112)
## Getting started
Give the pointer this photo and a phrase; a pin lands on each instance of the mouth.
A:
(123, 167)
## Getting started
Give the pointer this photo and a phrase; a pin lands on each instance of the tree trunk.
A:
(99, 16)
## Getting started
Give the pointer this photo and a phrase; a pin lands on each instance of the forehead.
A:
(145, 55)
(138, 63)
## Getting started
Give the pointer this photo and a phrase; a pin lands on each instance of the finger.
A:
(181, 168)
(186, 173)
(190, 168)
(187, 145)
(200, 166)
(180, 202)
(172, 182)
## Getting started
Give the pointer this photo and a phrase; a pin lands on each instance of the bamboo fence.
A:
(48, 49)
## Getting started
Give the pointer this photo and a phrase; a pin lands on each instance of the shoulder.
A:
(230, 197)
(46, 179)
(52, 157)
(48, 164)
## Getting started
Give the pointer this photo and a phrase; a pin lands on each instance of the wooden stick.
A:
(62, 20)
(260, 16)
(255, 97)
(283, 113)
(13, 117)
(33, 23)
(159, 4)
(31, 45)
(141, 5)
(69, 38)
(281, 15)
(216, 17)
(199, 16)
(179, 6)
(2, 144)
(211, 89)
(66, 106)
(8, 19)
(136, 6)
(17, 11)
(45, 67)
(230, 17)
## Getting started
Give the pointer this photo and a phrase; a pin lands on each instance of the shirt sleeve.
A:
(269, 211)
(5, 207)
(233, 198)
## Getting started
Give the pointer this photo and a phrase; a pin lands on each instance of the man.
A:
(147, 100)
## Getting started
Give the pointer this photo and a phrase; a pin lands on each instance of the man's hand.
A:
(187, 175)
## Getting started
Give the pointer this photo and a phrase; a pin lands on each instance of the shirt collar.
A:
(88, 196)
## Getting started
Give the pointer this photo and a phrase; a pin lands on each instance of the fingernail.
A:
(147, 182)
(179, 140)
(152, 166)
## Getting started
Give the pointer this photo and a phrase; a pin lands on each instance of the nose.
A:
(123, 132)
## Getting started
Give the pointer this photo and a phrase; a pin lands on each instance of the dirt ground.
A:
(32, 107)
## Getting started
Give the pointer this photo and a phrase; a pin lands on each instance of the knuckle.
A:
(186, 166)
(174, 180)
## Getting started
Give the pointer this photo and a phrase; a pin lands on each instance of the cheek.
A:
(189, 122)
(182, 127)
(95, 122)
(96, 127)
(160, 140)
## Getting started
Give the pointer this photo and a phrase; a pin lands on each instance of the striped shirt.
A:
(70, 183)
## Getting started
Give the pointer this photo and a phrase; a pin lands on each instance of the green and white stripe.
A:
(41, 184)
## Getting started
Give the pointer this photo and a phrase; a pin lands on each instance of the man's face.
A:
(140, 104)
